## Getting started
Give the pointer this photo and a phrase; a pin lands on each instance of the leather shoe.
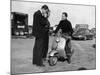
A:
(42, 65)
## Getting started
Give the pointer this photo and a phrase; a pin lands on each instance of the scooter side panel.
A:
(62, 53)
(61, 44)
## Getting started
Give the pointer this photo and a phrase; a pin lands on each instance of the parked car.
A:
(19, 24)
(82, 34)
(93, 30)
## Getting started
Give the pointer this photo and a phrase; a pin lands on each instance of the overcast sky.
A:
(77, 14)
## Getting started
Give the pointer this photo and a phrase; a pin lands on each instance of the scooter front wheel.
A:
(53, 60)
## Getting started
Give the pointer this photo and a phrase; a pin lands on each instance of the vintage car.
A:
(19, 24)
(93, 30)
(82, 34)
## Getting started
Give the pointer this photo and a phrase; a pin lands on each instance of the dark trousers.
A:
(68, 47)
(45, 48)
(68, 43)
(40, 50)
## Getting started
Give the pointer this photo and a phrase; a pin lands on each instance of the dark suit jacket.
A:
(65, 26)
(39, 25)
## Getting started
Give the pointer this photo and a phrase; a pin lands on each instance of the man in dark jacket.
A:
(66, 28)
(40, 31)
(65, 25)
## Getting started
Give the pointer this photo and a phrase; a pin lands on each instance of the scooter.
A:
(58, 49)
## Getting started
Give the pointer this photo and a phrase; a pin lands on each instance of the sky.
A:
(77, 14)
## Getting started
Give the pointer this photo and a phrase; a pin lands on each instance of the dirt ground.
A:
(21, 57)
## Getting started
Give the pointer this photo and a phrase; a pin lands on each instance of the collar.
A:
(41, 12)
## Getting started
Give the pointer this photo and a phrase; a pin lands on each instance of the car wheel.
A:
(17, 33)
(53, 60)
(85, 38)
(21, 33)
(91, 38)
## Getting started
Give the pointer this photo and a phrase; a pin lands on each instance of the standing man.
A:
(66, 28)
(40, 31)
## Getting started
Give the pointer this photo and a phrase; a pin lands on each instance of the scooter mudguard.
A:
(53, 52)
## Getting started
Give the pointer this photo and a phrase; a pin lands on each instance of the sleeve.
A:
(70, 27)
(38, 25)
(34, 25)
(59, 26)
(47, 25)
(41, 23)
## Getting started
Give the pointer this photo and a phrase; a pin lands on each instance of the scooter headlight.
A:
(57, 40)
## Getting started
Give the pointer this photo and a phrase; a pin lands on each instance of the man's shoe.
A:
(44, 59)
(69, 61)
(42, 65)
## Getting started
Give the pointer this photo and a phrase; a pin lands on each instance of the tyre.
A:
(91, 38)
(53, 60)
(17, 33)
(21, 33)
(85, 38)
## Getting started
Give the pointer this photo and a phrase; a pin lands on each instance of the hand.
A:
(59, 31)
(47, 26)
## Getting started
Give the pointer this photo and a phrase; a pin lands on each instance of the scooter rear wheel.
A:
(53, 60)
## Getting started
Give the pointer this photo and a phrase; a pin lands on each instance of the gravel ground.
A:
(21, 57)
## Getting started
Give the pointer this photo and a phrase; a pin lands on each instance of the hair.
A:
(45, 7)
(65, 14)
(48, 13)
